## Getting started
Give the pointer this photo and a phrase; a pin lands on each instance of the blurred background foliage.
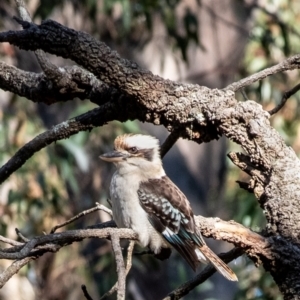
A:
(179, 39)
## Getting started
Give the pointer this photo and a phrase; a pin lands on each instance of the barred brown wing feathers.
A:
(162, 198)
(170, 213)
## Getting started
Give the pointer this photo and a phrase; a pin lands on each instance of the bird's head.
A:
(135, 152)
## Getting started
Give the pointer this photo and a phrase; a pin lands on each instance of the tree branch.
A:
(76, 83)
(61, 80)
(51, 71)
(128, 267)
(83, 213)
(252, 243)
(85, 122)
(86, 293)
(289, 64)
(32, 247)
(93, 55)
(13, 269)
(285, 97)
(169, 142)
(123, 75)
(21, 236)
(115, 241)
(9, 241)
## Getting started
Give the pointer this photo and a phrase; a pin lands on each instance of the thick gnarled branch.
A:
(76, 83)
(121, 74)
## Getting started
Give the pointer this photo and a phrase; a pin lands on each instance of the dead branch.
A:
(61, 79)
(9, 241)
(51, 71)
(83, 213)
(115, 241)
(250, 242)
(13, 269)
(169, 142)
(32, 247)
(86, 293)
(285, 97)
(85, 122)
(289, 64)
(21, 236)
(128, 267)
(76, 83)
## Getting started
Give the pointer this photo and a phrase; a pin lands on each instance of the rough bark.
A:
(199, 114)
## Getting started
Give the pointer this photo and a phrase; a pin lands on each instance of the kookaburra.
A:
(147, 201)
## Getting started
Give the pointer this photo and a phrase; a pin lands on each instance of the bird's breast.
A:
(124, 198)
(128, 213)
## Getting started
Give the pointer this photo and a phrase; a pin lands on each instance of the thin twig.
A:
(104, 208)
(83, 213)
(10, 242)
(185, 288)
(109, 202)
(285, 97)
(128, 267)
(86, 293)
(287, 65)
(21, 236)
(244, 94)
(169, 142)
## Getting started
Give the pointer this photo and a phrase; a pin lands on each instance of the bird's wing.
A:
(170, 214)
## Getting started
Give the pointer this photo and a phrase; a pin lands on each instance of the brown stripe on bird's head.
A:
(120, 141)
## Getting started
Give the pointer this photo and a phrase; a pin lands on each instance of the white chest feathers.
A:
(128, 213)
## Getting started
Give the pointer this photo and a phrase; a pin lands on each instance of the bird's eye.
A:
(133, 150)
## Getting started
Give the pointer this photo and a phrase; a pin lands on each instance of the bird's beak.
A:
(114, 156)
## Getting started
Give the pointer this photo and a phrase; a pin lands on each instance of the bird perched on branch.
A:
(147, 201)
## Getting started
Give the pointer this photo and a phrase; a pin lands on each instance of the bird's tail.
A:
(218, 263)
